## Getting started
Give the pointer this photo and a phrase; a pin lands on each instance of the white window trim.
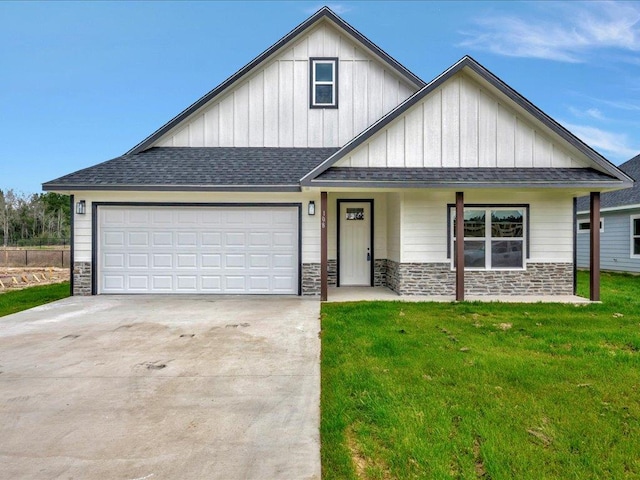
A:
(587, 230)
(334, 83)
(632, 236)
(489, 239)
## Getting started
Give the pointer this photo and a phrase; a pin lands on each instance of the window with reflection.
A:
(494, 238)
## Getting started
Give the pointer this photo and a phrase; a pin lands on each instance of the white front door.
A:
(355, 243)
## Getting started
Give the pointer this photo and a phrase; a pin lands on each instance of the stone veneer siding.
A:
(380, 272)
(439, 279)
(310, 279)
(332, 272)
(82, 278)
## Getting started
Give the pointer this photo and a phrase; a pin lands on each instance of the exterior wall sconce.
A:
(81, 207)
(311, 210)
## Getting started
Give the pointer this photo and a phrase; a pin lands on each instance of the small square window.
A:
(323, 91)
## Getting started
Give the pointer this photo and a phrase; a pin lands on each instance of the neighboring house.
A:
(325, 162)
(619, 226)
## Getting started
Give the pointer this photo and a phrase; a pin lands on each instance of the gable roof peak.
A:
(496, 83)
(324, 12)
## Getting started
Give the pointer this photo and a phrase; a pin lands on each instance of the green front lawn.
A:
(500, 391)
(18, 300)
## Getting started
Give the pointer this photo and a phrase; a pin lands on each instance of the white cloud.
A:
(592, 113)
(616, 145)
(337, 8)
(575, 31)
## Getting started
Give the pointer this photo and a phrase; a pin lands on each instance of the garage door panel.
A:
(211, 239)
(138, 260)
(114, 282)
(187, 239)
(234, 283)
(113, 260)
(259, 283)
(162, 260)
(187, 282)
(259, 260)
(259, 239)
(211, 260)
(198, 249)
(285, 261)
(211, 283)
(114, 239)
(138, 283)
(283, 239)
(162, 282)
(162, 239)
(234, 260)
(234, 239)
(282, 284)
(185, 260)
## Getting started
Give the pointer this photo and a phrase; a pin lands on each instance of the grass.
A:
(492, 391)
(18, 300)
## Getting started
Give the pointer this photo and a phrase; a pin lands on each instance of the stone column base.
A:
(82, 278)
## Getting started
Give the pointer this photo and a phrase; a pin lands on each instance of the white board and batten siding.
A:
(270, 107)
(424, 223)
(462, 124)
(615, 242)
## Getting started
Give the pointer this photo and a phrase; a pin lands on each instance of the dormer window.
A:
(324, 83)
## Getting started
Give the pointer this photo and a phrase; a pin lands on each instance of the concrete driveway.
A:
(155, 387)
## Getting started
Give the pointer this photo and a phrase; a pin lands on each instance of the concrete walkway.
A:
(162, 387)
(355, 294)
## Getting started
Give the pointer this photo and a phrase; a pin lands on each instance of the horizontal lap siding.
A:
(310, 224)
(270, 108)
(615, 243)
(424, 223)
(462, 124)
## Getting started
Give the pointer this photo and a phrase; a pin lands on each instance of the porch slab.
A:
(358, 294)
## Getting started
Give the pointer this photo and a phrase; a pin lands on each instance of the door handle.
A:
(368, 255)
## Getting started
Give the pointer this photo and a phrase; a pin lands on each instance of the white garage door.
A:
(198, 250)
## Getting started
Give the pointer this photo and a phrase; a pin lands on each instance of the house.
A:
(619, 226)
(324, 162)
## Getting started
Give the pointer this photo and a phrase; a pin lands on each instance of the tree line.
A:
(31, 219)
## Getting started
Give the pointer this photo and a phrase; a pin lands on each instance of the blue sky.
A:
(83, 82)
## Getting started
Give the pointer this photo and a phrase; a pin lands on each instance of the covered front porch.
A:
(405, 244)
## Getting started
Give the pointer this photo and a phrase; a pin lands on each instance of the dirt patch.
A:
(14, 278)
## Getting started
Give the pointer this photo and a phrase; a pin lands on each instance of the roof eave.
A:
(51, 187)
(466, 184)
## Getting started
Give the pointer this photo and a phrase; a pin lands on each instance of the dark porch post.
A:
(459, 253)
(323, 247)
(594, 258)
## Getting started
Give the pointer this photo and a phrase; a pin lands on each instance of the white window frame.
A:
(587, 230)
(632, 218)
(333, 83)
(488, 239)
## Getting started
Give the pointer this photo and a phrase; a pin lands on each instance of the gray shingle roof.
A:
(619, 198)
(189, 168)
(474, 177)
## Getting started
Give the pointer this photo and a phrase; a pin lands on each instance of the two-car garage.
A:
(217, 249)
